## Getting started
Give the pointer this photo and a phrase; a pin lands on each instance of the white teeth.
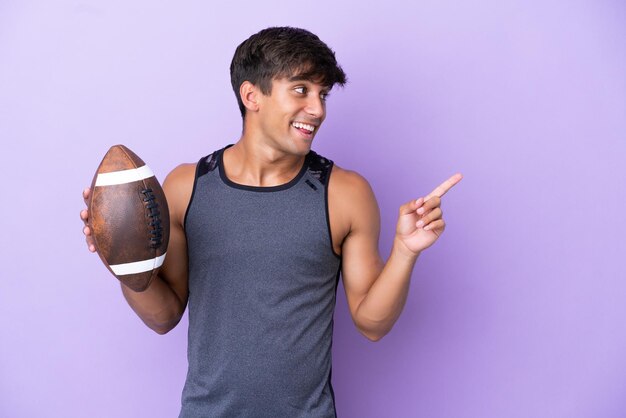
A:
(301, 125)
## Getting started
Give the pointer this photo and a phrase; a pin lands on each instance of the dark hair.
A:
(279, 52)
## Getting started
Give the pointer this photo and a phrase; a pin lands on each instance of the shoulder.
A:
(351, 197)
(178, 186)
(349, 183)
(181, 176)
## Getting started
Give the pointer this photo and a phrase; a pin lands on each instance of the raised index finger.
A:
(443, 188)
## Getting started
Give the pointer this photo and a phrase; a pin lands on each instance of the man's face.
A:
(292, 114)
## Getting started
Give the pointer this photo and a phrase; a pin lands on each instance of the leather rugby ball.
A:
(128, 218)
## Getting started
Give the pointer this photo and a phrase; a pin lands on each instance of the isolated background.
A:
(517, 311)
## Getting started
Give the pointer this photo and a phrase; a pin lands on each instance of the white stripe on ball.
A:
(137, 266)
(124, 176)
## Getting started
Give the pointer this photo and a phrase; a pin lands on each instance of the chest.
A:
(280, 225)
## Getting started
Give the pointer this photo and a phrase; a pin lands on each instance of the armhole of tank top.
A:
(193, 193)
(330, 233)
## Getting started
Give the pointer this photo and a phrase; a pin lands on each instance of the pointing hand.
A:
(420, 222)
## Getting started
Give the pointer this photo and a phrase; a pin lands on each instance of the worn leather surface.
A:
(120, 219)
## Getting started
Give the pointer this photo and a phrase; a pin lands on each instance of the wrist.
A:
(402, 251)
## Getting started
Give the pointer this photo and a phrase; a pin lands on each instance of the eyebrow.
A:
(300, 77)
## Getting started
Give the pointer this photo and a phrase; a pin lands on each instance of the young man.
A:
(260, 231)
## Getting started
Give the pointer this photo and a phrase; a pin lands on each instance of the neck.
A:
(253, 162)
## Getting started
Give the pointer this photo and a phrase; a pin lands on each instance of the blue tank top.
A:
(262, 286)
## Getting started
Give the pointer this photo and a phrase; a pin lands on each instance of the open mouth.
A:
(304, 128)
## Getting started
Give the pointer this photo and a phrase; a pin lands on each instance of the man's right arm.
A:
(162, 304)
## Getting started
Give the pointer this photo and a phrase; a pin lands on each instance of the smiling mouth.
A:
(305, 128)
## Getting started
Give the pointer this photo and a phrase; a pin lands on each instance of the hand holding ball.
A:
(128, 218)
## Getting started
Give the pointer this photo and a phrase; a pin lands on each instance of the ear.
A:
(250, 96)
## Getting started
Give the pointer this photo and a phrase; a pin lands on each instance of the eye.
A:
(300, 90)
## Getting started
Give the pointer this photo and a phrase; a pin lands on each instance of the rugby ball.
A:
(128, 218)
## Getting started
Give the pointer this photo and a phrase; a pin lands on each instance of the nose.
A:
(315, 107)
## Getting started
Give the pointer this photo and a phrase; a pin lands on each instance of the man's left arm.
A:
(376, 291)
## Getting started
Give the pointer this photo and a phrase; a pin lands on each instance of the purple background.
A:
(517, 311)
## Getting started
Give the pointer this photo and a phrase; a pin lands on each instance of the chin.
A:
(299, 147)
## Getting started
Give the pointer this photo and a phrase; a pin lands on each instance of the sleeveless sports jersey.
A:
(262, 286)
